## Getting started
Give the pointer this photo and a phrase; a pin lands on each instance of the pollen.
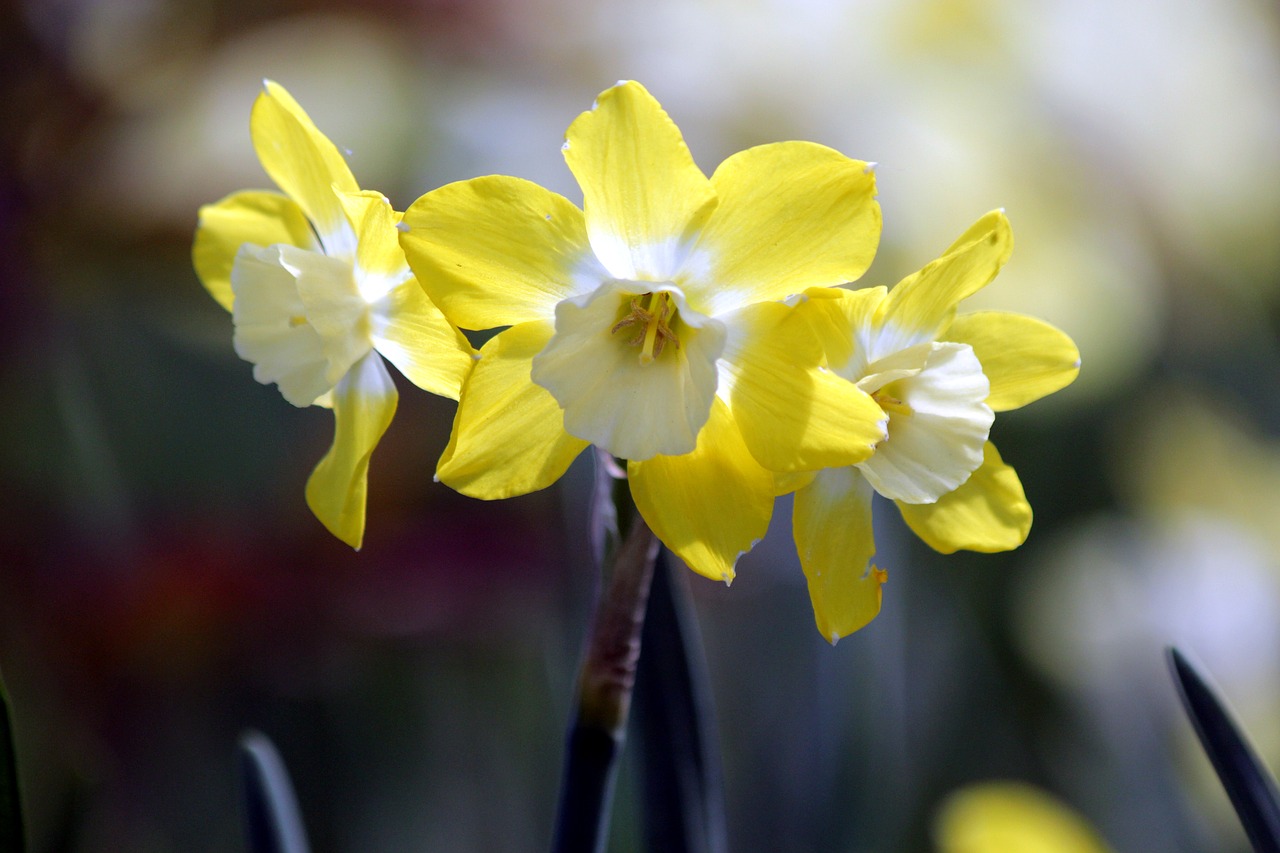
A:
(649, 314)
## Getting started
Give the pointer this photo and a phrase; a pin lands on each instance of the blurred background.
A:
(163, 586)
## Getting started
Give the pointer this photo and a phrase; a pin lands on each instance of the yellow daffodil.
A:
(940, 378)
(649, 322)
(1012, 817)
(318, 287)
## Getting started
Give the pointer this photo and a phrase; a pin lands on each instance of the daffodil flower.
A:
(319, 292)
(990, 817)
(650, 322)
(940, 378)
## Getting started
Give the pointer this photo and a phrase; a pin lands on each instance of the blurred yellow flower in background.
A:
(319, 291)
(1011, 817)
(649, 322)
(940, 378)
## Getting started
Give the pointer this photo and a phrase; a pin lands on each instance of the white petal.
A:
(884, 337)
(633, 410)
(933, 448)
(335, 308)
(894, 367)
(271, 329)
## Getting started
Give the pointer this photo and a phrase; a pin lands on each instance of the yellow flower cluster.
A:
(696, 327)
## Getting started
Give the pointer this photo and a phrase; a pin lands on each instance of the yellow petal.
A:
(414, 335)
(841, 322)
(497, 251)
(938, 422)
(363, 403)
(1024, 358)
(379, 264)
(785, 484)
(709, 506)
(1011, 817)
(304, 163)
(270, 327)
(831, 523)
(988, 513)
(406, 327)
(508, 436)
(791, 215)
(794, 414)
(920, 306)
(611, 397)
(644, 197)
(253, 216)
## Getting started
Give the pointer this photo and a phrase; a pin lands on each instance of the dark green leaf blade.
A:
(1250, 786)
(682, 780)
(271, 819)
(12, 831)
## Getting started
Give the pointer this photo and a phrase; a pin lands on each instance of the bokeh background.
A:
(163, 587)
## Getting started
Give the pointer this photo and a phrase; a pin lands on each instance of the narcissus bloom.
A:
(940, 378)
(319, 292)
(1012, 817)
(649, 323)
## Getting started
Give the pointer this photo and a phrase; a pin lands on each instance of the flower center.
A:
(891, 404)
(649, 313)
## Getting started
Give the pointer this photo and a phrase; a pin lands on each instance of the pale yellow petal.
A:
(304, 164)
(615, 399)
(253, 216)
(831, 523)
(643, 196)
(497, 251)
(709, 506)
(794, 414)
(791, 215)
(938, 422)
(364, 402)
(1024, 358)
(988, 513)
(920, 306)
(508, 436)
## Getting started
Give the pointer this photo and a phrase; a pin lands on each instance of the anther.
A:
(891, 404)
(652, 320)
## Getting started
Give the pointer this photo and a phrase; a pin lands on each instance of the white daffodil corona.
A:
(650, 322)
(940, 378)
(318, 287)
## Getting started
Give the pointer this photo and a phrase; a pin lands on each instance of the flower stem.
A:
(605, 683)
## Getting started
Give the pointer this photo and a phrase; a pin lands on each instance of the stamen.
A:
(652, 320)
(890, 404)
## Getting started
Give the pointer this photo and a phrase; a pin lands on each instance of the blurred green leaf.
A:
(1249, 784)
(11, 829)
(271, 818)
